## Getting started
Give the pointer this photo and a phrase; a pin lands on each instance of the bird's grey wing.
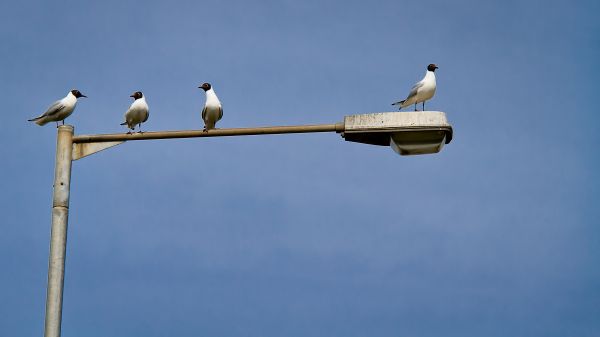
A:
(146, 116)
(204, 113)
(220, 112)
(55, 108)
(413, 91)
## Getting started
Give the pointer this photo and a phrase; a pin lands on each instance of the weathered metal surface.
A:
(85, 149)
(393, 120)
(407, 132)
(419, 130)
(421, 142)
(266, 130)
(58, 236)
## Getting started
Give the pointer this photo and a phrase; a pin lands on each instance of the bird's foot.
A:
(140, 132)
(128, 132)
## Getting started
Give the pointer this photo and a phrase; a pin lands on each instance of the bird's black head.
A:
(77, 93)
(432, 67)
(137, 95)
(205, 86)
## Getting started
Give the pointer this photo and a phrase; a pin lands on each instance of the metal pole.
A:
(263, 130)
(58, 239)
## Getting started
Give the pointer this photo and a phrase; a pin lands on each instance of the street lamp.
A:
(407, 133)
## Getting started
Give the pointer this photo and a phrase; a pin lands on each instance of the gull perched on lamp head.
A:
(137, 113)
(422, 90)
(59, 110)
(212, 111)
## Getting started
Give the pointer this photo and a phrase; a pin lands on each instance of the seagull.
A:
(137, 112)
(59, 110)
(422, 90)
(212, 111)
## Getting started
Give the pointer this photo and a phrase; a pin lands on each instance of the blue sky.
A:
(306, 235)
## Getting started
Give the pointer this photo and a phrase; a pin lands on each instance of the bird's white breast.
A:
(212, 107)
(139, 104)
(138, 111)
(428, 89)
(212, 100)
(69, 102)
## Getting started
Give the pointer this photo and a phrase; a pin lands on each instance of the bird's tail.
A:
(38, 120)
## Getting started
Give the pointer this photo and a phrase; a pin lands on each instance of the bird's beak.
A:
(82, 95)
(132, 96)
(436, 67)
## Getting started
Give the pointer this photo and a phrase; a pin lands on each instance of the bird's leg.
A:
(423, 105)
(140, 131)
(57, 124)
(63, 121)
(415, 106)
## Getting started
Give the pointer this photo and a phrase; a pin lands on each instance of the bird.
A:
(137, 113)
(212, 111)
(59, 110)
(422, 90)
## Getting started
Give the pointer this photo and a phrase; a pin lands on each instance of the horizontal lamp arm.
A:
(265, 130)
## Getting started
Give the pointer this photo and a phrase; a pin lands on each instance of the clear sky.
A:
(306, 235)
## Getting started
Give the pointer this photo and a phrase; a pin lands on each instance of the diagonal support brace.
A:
(81, 150)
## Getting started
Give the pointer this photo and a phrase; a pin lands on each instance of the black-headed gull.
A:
(422, 90)
(212, 111)
(137, 113)
(59, 110)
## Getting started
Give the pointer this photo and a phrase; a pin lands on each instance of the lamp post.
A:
(58, 235)
(407, 133)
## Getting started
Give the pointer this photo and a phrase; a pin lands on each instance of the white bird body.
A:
(59, 110)
(212, 111)
(422, 91)
(137, 113)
